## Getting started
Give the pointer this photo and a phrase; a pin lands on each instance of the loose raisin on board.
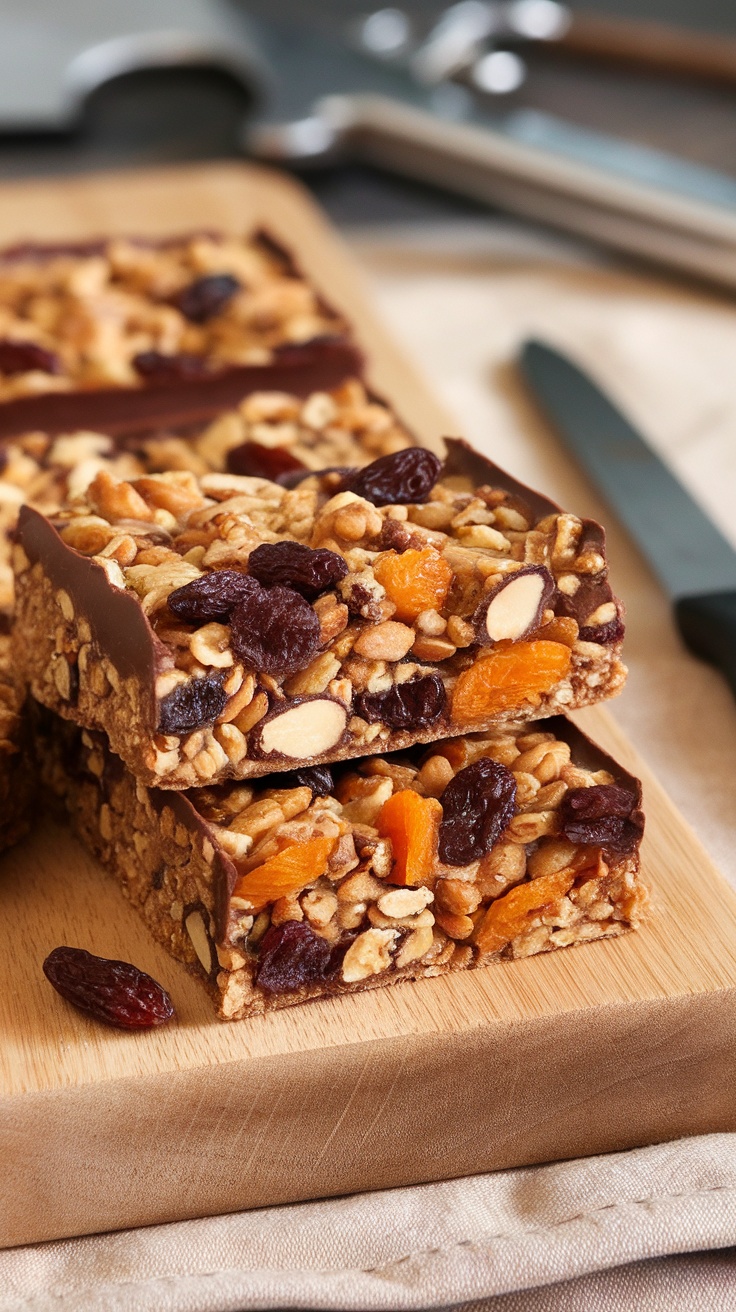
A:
(206, 297)
(317, 777)
(398, 479)
(25, 357)
(412, 705)
(477, 806)
(156, 367)
(211, 597)
(274, 631)
(252, 460)
(605, 815)
(191, 705)
(306, 570)
(114, 992)
(291, 955)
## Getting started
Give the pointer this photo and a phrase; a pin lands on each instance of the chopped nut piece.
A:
(369, 954)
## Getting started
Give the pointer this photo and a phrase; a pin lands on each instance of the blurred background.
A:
(173, 114)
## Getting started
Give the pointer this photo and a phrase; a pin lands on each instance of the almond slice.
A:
(304, 729)
(515, 606)
(200, 939)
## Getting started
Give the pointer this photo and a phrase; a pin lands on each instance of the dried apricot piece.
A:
(508, 677)
(509, 915)
(412, 823)
(287, 872)
(414, 580)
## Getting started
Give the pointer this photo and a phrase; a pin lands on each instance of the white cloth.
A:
(569, 1237)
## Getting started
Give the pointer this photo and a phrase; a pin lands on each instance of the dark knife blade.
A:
(694, 562)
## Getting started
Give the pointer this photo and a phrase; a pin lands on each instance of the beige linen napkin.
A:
(461, 301)
(430, 1246)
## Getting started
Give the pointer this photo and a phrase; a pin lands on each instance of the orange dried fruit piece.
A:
(508, 677)
(412, 823)
(414, 580)
(287, 872)
(509, 915)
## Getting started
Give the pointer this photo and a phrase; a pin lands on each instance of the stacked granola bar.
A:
(267, 433)
(291, 672)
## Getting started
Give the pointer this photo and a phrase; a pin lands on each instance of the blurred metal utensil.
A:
(52, 55)
(630, 198)
(321, 98)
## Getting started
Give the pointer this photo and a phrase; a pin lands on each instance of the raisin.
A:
(412, 705)
(211, 597)
(252, 460)
(606, 634)
(191, 705)
(291, 955)
(207, 296)
(478, 804)
(317, 777)
(274, 631)
(156, 367)
(114, 992)
(23, 357)
(306, 570)
(606, 815)
(397, 479)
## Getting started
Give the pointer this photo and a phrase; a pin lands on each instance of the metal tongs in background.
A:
(429, 109)
(425, 102)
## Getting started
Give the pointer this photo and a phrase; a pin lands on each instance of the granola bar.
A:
(118, 331)
(478, 849)
(15, 770)
(267, 433)
(226, 626)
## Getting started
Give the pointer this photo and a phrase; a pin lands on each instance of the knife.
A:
(694, 563)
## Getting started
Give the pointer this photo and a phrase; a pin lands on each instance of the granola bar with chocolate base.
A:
(121, 331)
(226, 627)
(267, 432)
(15, 770)
(479, 849)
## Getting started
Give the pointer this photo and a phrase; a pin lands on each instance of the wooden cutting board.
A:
(600, 1048)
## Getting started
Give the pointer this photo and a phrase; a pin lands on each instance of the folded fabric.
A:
(429, 1247)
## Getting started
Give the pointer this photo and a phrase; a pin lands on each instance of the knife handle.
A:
(708, 626)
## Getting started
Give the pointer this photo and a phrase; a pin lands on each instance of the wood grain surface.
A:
(599, 1048)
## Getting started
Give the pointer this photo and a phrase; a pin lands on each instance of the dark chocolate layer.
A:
(116, 618)
(314, 367)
